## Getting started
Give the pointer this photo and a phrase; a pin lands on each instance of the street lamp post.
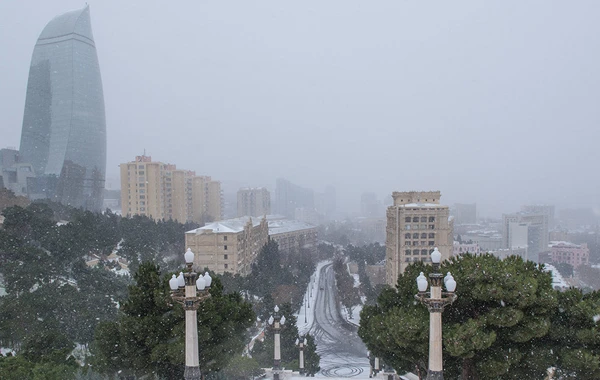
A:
(436, 301)
(301, 343)
(189, 289)
(276, 321)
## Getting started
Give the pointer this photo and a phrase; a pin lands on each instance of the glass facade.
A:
(64, 126)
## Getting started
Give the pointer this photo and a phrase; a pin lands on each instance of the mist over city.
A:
(278, 190)
(489, 103)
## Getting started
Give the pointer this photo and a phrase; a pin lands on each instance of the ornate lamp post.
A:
(301, 344)
(277, 321)
(189, 290)
(436, 301)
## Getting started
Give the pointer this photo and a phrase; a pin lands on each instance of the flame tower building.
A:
(64, 126)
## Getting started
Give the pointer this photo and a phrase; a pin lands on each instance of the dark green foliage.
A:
(311, 358)
(45, 356)
(241, 368)
(349, 295)
(575, 335)
(148, 337)
(495, 330)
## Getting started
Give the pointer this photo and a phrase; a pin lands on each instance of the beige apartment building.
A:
(416, 224)
(253, 202)
(232, 245)
(293, 236)
(161, 191)
(228, 246)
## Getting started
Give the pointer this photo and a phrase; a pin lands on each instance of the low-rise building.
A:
(229, 245)
(292, 236)
(565, 252)
(232, 245)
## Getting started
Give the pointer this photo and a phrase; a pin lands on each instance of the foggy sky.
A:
(489, 102)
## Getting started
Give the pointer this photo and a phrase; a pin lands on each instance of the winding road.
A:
(343, 354)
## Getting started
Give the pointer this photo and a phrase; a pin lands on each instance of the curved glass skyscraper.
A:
(64, 126)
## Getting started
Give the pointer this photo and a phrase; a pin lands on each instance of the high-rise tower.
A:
(64, 127)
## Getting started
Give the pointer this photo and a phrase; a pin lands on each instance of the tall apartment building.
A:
(161, 191)
(253, 202)
(416, 224)
(229, 245)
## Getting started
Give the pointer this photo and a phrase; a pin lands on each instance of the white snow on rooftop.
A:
(423, 205)
(228, 225)
(277, 225)
(557, 278)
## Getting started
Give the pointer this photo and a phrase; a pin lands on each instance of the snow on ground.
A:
(5, 351)
(305, 315)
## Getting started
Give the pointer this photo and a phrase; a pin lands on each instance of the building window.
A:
(407, 227)
(225, 247)
(431, 219)
(407, 219)
(408, 252)
(226, 266)
(416, 252)
(407, 236)
(225, 257)
(423, 235)
(408, 242)
(431, 235)
(424, 252)
(415, 219)
(431, 242)
(225, 238)
(423, 219)
(415, 236)
(431, 227)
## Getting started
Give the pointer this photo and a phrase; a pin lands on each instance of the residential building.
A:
(161, 191)
(293, 236)
(416, 224)
(229, 245)
(14, 175)
(253, 202)
(566, 252)
(64, 127)
(232, 245)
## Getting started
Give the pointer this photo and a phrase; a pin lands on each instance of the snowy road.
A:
(343, 353)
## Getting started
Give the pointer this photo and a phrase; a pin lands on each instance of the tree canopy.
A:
(495, 329)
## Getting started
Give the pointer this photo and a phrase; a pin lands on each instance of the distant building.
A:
(536, 226)
(14, 174)
(293, 236)
(232, 245)
(565, 252)
(370, 206)
(253, 202)
(289, 197)
(161, 191)
(462, 248)
(64, 127)
(547, 210)
(416, 224)
(465, 213)
(487, 240)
